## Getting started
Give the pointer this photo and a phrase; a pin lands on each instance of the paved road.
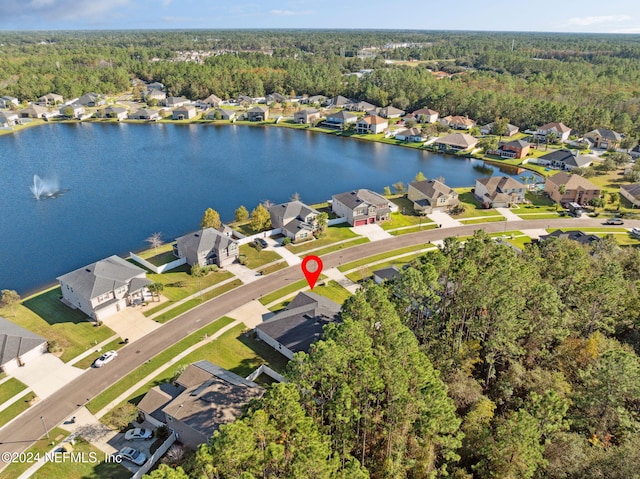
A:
(21, 433)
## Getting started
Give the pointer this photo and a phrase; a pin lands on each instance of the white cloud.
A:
(599, 19)
(289, 13)
(59, 9)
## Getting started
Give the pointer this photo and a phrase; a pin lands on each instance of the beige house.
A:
(372, 124)
(258, 113)
(185, 112)
(222, 114)
(457, 142)
(212, 101)
(35, 111)
(205, 247)
(425, 115)
(576, 188)
(104, 288)
(631, 193)
(361, 207)
(500, 191)
(144, 114)
(306, 116)
(431, 195)
(604, 138)
(50, 99)
(561, 131)
(458, 122)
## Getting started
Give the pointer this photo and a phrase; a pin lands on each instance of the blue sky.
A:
(614, 16)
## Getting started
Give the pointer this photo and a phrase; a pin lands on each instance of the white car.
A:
(137, 434)
(133, 455)
(104, 359)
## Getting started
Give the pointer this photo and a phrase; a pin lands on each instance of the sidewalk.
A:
(292, 259)
(341, 279)
(373, 232)
(508, 214)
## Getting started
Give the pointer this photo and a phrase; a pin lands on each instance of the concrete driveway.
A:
(250, 314)
(46, 374)
(373, 232)
(131, 323)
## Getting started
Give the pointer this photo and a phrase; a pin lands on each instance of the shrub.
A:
(52, 346)
(120, 417)
(242, 259)
(286, 241)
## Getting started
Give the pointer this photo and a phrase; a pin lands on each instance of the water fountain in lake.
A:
(45, 188)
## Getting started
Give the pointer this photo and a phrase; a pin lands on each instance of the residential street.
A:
(22, 432)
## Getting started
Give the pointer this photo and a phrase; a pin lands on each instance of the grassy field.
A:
(255, 259)
(367, 272)
(486, 219)
(16, 408)
(178, 284)
(75, 469)
(274, 267)
(15, 469)
(88, 361)
(279, 293)
(339, 246)
(234, 350)
(333, 291)
(415, 229)
(101, 400)
(381, 256)
(398, 220)
(10, 388)
(472, 205)
(519, 241)
(333, 234)
(158, 256)
(46, 315)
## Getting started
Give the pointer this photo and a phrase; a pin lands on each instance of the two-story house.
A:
(103, 288)
(561, 131)
(512, 149)
(604, 138)
(431, 195)
(296, 220)
(340, 119)
(500, 191)
(258, 113)
(424, 115)
(565, 188)
(458, 122)
(206, 246)
(372, 124)
(306, 116)
(361, 207)
(185, 112)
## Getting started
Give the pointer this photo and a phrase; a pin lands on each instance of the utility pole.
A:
(46, 431)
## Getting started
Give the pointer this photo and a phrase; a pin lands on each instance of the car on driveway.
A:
(260, 242)
(133, 455)
(104, 359)
(614, 221)
(138, 434)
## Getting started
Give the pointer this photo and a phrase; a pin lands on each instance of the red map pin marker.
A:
(312, 271)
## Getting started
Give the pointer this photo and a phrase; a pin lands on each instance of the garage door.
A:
(360, 222)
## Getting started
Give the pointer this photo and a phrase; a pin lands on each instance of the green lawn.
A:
(339, 246)
(333, 291)
(192, 303)
(255, 259)
(537, 216)
(333, 234)
(15, 469)
(46, 315)
(274, 267)
(415, 229)
(367, 271)
(178, 284)
(398, 220)
(381, 256)
(486, 219)
(83, 469)
(10, 388)
(603, 230)
(16, 408)
(88, 361)
(101, 400)
(234, 350)
(519, 241)
(279, 293)
(473, 206)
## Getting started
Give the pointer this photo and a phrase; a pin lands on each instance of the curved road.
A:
(24, 431)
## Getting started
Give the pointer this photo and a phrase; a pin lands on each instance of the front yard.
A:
(473, 207)
(332, 235)
(256, 259)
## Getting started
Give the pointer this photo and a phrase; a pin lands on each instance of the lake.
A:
(127, 181)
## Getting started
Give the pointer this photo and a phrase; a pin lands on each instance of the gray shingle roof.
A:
(283, 213)
(301, 323)
(578, 236)
(431, 188)
(203, 241)
(100, 277)
(633, 189)
(16, 341)
(355, 198)
(500, 184)
(387, 274)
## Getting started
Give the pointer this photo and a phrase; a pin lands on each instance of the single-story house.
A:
(425, 115)
(222, 114)
(92, 100)
(565, 160)
(258, 113)
(8, 118)
(410, 134)
(431, 195)
(561, 131)
(386, 274)
(306, 116)
(156, 95)
(73, 110)
(275, 98)
(337, 102)
(631, 192)
(512, 149)
(176, 101)
(361, 207)
(391, 112)
(144, 114)
(156, 85)
(204, 397)
(18, 346)
(579, 236)
(35, 111)
(500, 191)
(50, 99)
(8, 101)
(205, 247)
(211, 101)
(297, 220)
(340, 119)
(315, 99)
(103, 288)
(456, 141)
(299, 325)
(372, 124)
(509, 130)
(576, 188)
(116, 112)
(184, 112)
(604, 138)
(458, 122)
(360, 106)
